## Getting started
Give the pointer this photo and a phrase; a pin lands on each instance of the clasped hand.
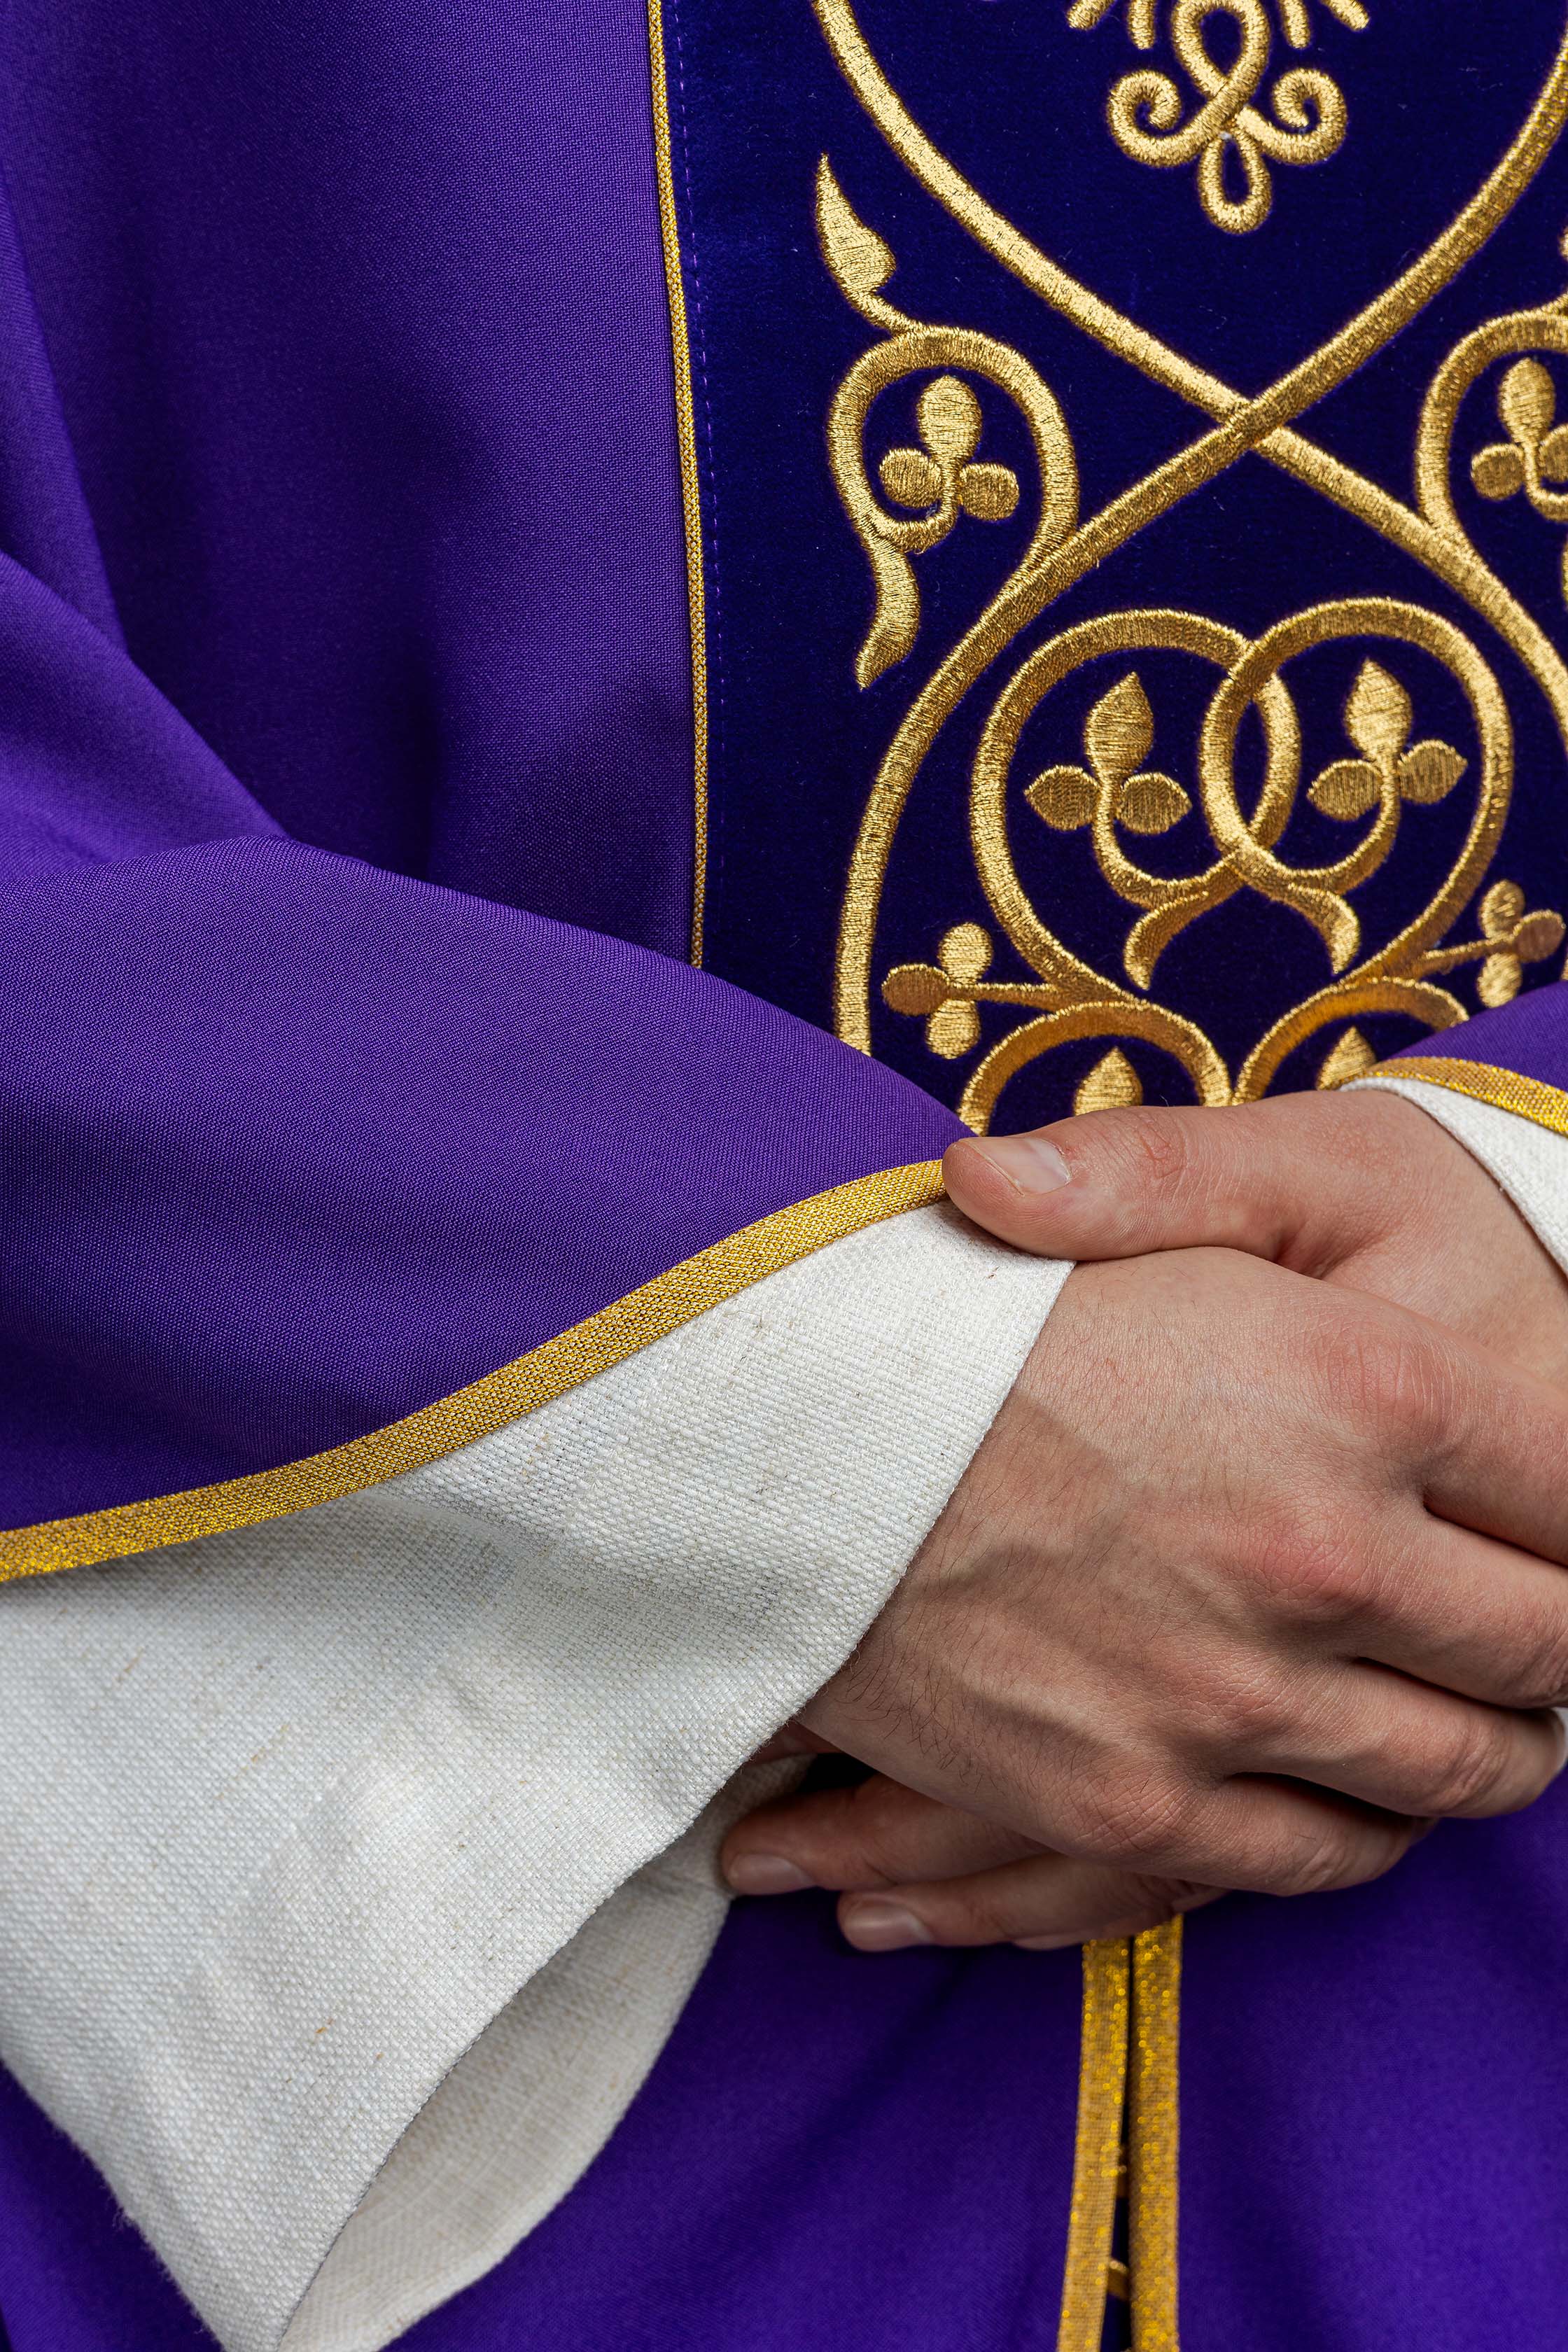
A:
(1258, 1571)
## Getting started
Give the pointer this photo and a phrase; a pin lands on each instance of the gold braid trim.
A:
(1101, 2098)
(1153, 2109)
(1529, 1098)
(1127, 2072)
(616, 1332)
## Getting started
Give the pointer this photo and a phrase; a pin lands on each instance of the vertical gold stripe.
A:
(1101, 2092)
(686, 433)
(1153, 2127)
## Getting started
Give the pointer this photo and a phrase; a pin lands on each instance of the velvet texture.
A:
(1016, 101)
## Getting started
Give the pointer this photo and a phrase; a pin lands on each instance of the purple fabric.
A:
(358, 322)
(343, 642)
(290, 1147)
(386, 506)
(1529, 1036)
(853, 2154)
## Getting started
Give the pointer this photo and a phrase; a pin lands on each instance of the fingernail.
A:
(766, 1874)
(875, 1926)
(1028, 1162)
(1043, 1943)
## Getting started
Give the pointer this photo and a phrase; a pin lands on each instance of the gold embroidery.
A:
(1225, 130)
(1392, 774)
(1350, 1059)
(686, 436)
(616, 1332)
(1111, 1084)
(1529, 1098)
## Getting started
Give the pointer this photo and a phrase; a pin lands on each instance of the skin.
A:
(1259, 1571)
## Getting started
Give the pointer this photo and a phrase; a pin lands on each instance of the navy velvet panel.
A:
(1016, 98)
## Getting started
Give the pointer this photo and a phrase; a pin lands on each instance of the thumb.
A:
(1305, 1180)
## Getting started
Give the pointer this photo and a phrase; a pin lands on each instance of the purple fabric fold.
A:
(290, 1147)
(853, 2155)
(342, 618)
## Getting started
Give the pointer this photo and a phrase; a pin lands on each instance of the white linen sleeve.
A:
(301, 1814)
(1529, 1163)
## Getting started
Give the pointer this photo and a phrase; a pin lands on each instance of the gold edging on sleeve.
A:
(1097, 2157)
(686, 435)
(1529, 1098)
(616, 1332)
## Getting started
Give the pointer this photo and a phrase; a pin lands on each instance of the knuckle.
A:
(1253, 1711)
(1542, 1679)
(1312, 1559)
(1475, 1771)
(1333, 1857)
(874, 1844)
(1382, 1384)
(883, 1834)
(1154, 1145)
(985, 1914)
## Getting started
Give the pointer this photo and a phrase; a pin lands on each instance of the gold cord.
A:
(1127, 2077)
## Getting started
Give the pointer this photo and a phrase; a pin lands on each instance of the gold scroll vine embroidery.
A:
(1232, 141)
(1390, 770)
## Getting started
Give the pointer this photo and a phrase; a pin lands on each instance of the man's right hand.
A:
(1251, 1579)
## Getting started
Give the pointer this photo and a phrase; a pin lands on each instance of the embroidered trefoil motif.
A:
(1377, 721)
(1534, 457)
(942, 990)
(1515, 938)
(1301, 116)
(940, 474)
(1118, 737)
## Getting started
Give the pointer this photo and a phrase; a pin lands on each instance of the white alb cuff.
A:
(296, 1811)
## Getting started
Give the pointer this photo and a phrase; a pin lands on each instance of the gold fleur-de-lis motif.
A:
(943, 473)
(1377, 721)
(1534, 457)
(1118, 737)
(1232, 141)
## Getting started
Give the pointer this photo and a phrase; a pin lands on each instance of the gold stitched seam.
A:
(691, 495)
(1529, 1098)
(616, 1332)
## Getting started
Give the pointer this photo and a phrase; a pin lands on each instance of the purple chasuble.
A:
(350, 1051)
